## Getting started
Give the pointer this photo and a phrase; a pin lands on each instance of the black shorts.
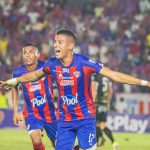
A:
(101, 117)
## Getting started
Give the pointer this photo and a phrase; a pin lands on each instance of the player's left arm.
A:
(122, 77)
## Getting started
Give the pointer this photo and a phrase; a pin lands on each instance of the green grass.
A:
(11, 139)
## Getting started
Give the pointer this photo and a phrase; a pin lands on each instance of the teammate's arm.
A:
(110, 91)
(122, 77)
(29, 77)
(15, 98)
(15, 104)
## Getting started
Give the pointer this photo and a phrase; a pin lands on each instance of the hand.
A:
(4, 85)
(18, 119)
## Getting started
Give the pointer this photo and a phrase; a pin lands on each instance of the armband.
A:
(144, 83)
(12, 82)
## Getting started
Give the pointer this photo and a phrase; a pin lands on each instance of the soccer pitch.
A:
(11, 139)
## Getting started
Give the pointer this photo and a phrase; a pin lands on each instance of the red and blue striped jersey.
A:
(38, 95)
(74, 86)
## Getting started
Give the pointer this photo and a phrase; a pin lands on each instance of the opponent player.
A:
(104, 90)
(39, 111)
(72, 73)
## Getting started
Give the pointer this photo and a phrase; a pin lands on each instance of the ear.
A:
(71, 46)
(37, 54)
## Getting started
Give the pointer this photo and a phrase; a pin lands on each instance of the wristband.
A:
(144, 83)
(12, 82)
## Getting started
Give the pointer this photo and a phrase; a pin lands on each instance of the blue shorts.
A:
(33, 123)
(84, 130)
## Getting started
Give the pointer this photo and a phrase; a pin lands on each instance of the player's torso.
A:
(38, 96)
(74, 84)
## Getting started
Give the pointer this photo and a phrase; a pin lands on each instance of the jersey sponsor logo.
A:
(65, 78)
(39, 101)
(77, 74)
(70, 99)
(66, 82)
(35, 87)
(65, 70)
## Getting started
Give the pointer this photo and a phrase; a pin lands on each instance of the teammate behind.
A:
(39, 111)
(104, 90)
(72, 72)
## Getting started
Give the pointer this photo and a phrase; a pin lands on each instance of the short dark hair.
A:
(29, 44)
(66, 32)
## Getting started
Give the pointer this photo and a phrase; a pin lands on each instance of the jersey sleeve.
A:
(15, 74)
(47, 67)
(97, 66)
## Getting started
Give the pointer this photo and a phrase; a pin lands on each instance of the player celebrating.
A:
(39, 111)
(72, 73)
(104, 90)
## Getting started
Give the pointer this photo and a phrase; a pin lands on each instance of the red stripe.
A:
(61, 88)
(25, 111)
(47, 69)
(46, 107)
(77, 109)
(90, 104)
(31, 96)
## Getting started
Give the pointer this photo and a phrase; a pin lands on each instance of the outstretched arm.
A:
(29, 77)
(122, 77)
(32, 76)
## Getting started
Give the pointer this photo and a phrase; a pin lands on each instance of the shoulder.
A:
(82, 57)
(41, 63)
(52, 59)
(18, 71)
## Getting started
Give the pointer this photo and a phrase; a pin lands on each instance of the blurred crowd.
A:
(116, 32)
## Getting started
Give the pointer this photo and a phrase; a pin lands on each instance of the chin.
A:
(29, 64)
(58, 57)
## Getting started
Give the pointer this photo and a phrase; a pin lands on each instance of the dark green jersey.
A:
(102, 91)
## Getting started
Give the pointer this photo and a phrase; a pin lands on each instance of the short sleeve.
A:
(97, 66)
(47, 67)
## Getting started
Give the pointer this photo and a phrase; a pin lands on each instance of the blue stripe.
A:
(27, 98)
(49, 99)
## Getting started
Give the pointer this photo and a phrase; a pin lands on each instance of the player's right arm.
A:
(29, 77)
(15, 104)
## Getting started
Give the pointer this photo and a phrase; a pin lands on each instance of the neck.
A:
(31, 67)
(67, 61)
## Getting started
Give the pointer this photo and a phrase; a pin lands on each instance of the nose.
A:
(27, 54)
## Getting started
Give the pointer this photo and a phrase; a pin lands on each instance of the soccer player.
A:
(39, 111)
(72, 73)
(104, 90)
